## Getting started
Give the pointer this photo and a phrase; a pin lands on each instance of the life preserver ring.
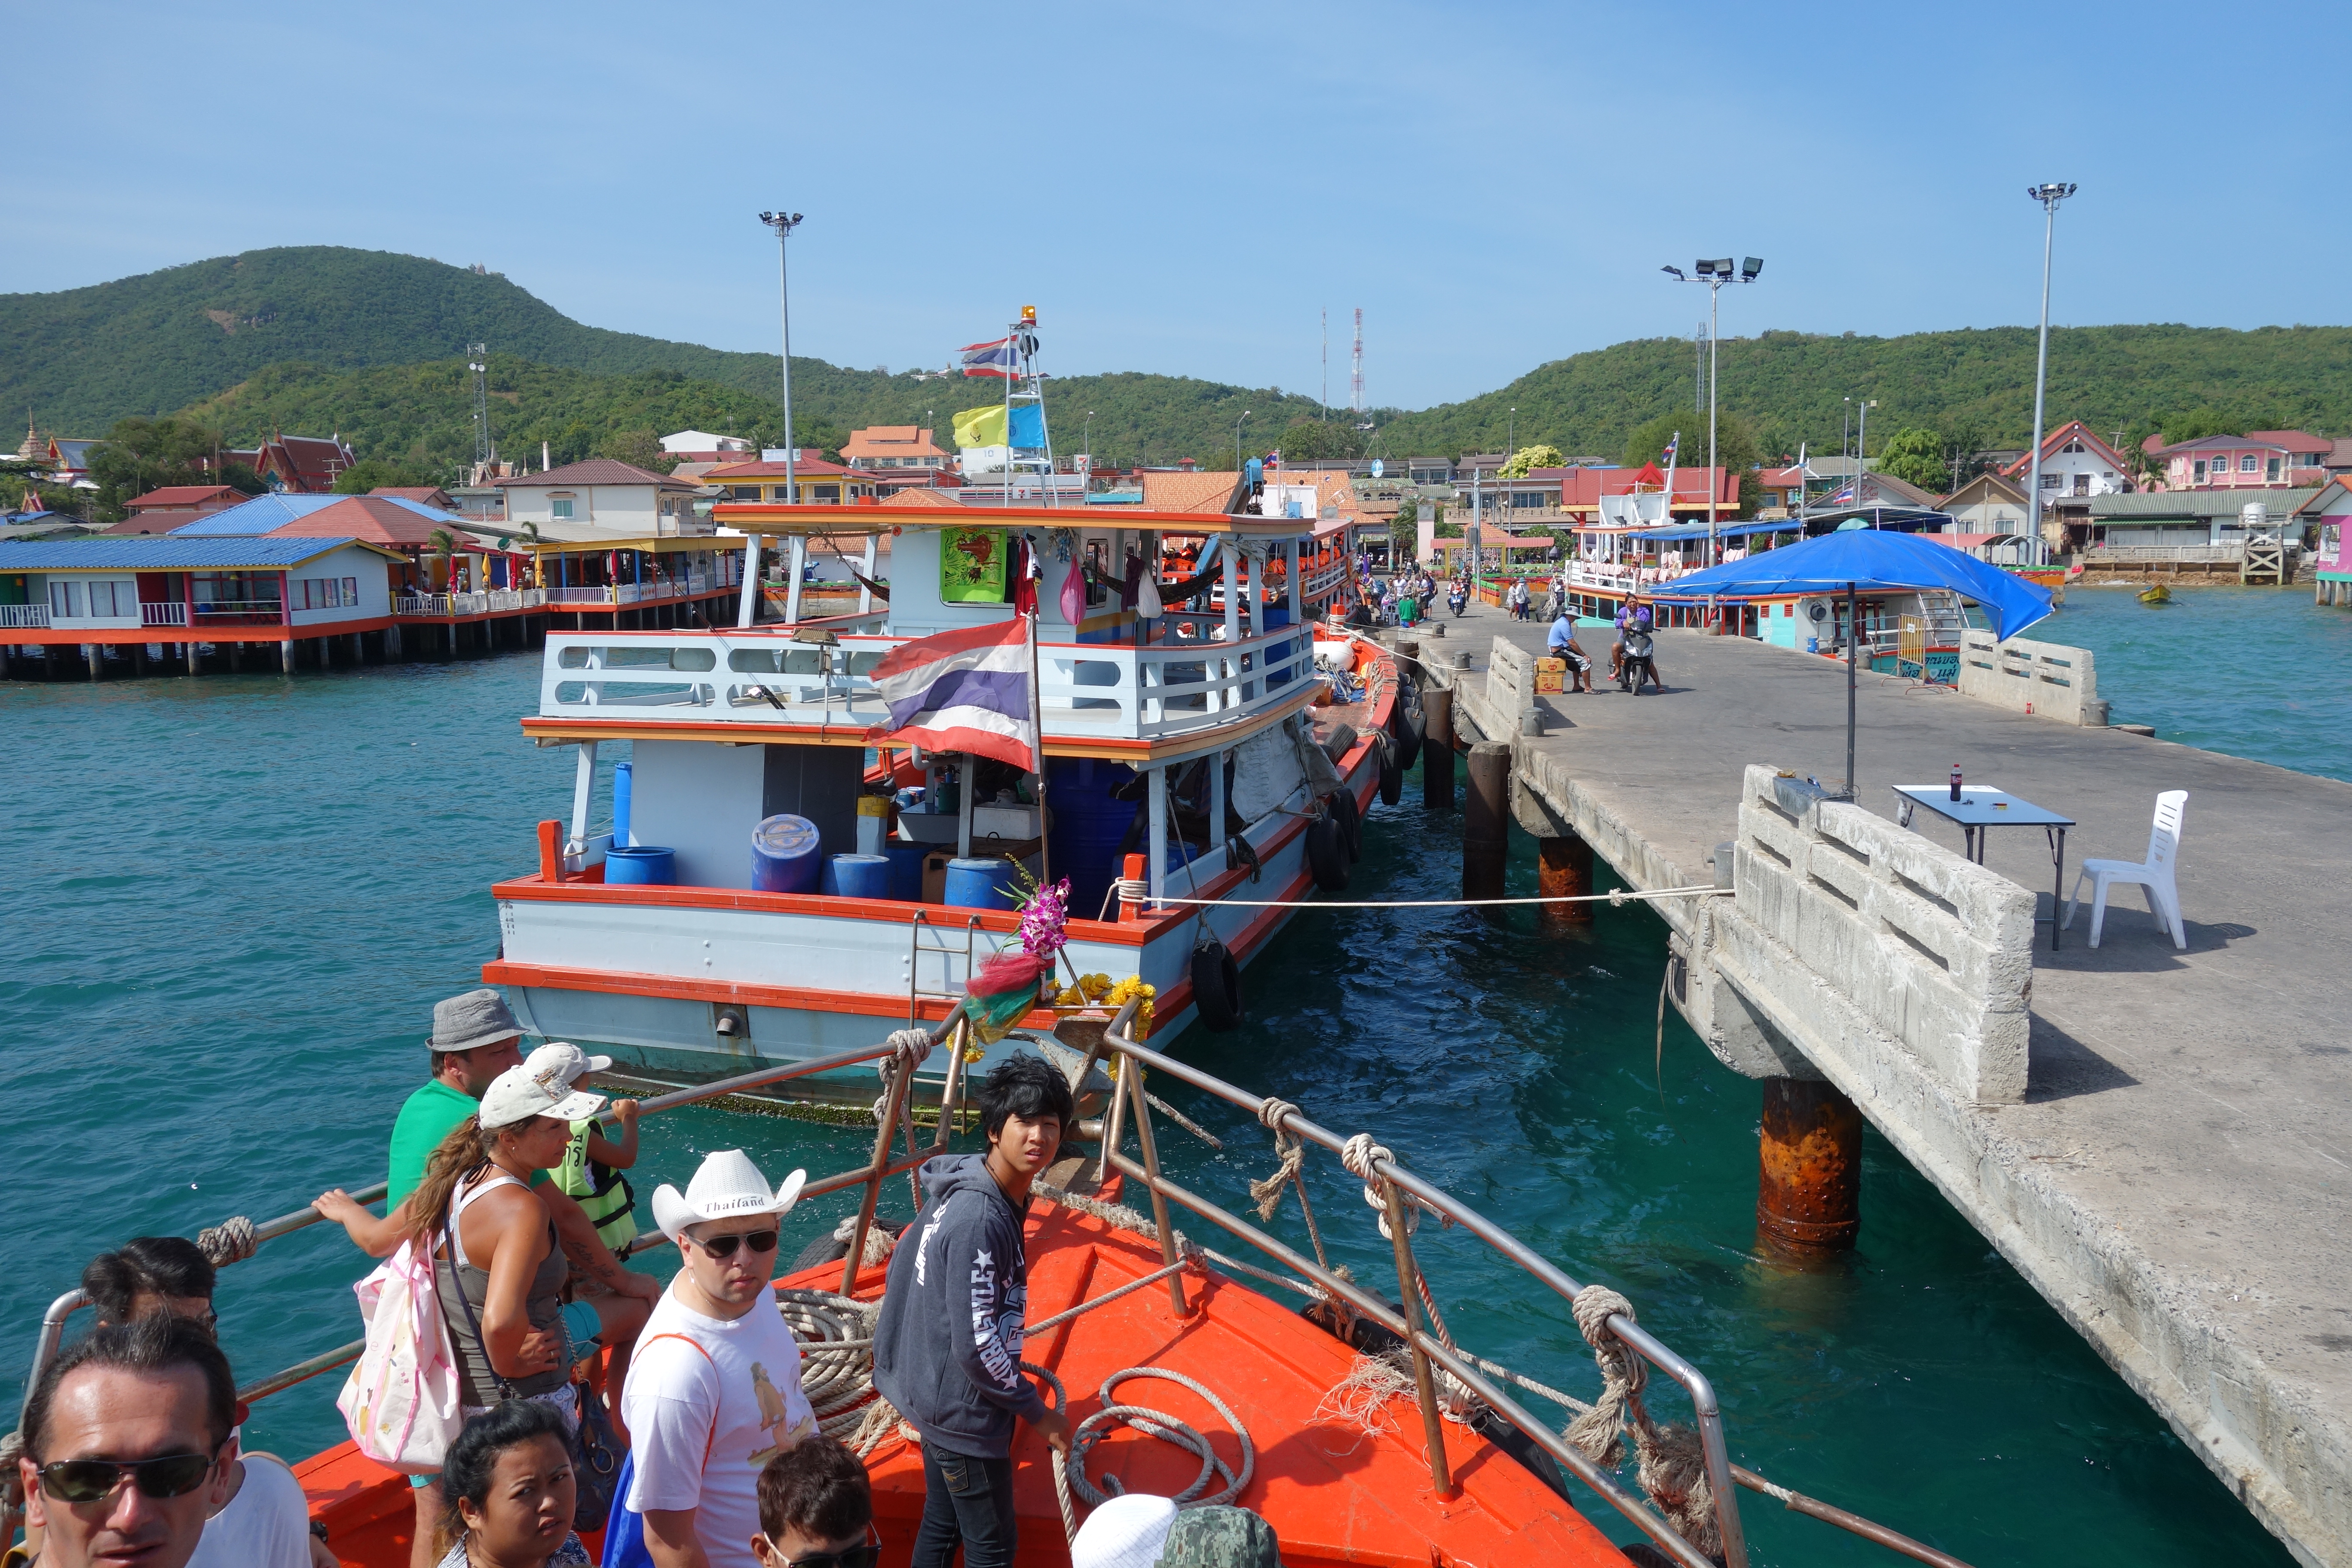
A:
(1327, 854)
(1391, 771)
(1216, 985)
(1351, 817)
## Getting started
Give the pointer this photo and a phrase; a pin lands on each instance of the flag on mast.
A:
(1002, 357)
(966, 691)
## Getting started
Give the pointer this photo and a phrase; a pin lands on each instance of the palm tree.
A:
(446, 543)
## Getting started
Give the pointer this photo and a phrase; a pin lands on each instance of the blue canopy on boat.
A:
(1723, 530)
(1870, 561)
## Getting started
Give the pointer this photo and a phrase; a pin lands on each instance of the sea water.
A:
(233, 900)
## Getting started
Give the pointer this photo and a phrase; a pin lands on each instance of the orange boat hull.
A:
(1334, 1495)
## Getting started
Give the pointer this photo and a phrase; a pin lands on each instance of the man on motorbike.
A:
(1634, 627)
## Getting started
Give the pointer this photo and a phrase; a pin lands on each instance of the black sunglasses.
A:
(725, 1245)
(864, 1556)
(88, 1481)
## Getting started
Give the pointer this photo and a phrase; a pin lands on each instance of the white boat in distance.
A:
(1185, 758)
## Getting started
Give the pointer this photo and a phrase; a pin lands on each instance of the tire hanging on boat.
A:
(1216, 985)
(1327, 854)
(1391, 771)
(1351, 817)
(1409, 728)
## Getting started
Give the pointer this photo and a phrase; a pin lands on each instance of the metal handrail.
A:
(1704, 1406)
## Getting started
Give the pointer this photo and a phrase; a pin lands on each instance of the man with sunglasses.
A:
(127, 1440)
(715, 1391)
(817, 1509)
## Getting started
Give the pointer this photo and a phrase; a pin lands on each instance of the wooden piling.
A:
(96, 654)
(1437, 748)
(1486, 820)
(1809, 1173)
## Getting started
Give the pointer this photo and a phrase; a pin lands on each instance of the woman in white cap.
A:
(715, 1390)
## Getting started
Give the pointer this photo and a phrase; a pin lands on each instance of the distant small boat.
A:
(2157, 594)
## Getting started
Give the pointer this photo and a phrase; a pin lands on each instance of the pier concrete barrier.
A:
(1510, 685)
(1891, 932)
(2047, 679)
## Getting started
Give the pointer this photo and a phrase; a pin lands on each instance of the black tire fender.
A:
(1391, 771)
(1216, 986)
(1351, 817)
(1409, 729)
(1327, 855)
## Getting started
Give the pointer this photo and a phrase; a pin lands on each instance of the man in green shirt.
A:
(475, 1038)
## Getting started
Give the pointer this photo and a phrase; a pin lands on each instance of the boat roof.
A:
(776, 519)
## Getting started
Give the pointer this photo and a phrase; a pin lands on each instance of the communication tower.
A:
(477, 359)
(1356, 376)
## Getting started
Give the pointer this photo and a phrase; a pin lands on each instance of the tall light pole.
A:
(1863, 406)
(1237, 441)
(783, 224)
(1715, 275)
(1511, 434)
(2049, 195)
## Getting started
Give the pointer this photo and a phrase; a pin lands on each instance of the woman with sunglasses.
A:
(512, 1491)
(715, 1390)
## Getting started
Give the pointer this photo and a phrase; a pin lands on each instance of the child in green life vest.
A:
(591, 1172)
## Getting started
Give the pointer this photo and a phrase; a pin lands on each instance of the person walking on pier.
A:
(946, 1348)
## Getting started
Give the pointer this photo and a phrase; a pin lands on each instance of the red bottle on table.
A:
(1956, 781)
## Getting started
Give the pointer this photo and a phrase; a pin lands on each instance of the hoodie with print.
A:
(947, 1349)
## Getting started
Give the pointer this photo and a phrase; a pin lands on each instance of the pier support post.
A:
(286, 655)
(392, 641)
(49, 661)
(1564, 870)
(1437, 748)
(188, 649)
(1486, 820)
(1808, 1170)
(96, 654)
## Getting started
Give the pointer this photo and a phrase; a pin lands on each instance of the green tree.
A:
(1527, 458)
(1916, 456)
(641, 447)
(140, 455)
(371, 473)
(1305, 440)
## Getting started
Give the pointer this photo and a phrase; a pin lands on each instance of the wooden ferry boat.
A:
(1182, 740)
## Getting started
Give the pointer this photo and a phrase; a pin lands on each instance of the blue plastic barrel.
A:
(1088, 826)
(858, 875)
(786, 857)
(648, 864)
(907, 871)
(982, 884)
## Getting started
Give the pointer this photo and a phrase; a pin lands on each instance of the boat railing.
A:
(755, 678)
(1401, 1192)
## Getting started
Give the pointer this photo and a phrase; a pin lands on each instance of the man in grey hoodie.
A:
(947, 1349)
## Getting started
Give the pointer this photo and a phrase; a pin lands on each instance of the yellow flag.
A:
(980, 426)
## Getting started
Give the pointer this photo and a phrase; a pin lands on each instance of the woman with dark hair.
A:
(510, 1491)
(151, 1274)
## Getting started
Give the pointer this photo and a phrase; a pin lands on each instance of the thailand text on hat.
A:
(477, 1018)
(728, 1185)
(541, 1086)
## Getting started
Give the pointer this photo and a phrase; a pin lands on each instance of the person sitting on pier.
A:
(816, 1503)
(1560, 643)
(946, 1348)
(128, 1437)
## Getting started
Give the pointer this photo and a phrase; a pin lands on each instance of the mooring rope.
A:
(1672, 1469)
(1615, 896)
(231, 1241)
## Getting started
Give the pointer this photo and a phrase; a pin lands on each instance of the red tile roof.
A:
(592, 471)
(187, 498)
(426, 495)
(2072, 430)
(375, 518)
(2291, 440)
(727, 473)
(920, 499)
(1211, 491)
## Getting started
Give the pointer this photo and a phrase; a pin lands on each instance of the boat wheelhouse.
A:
(1189, 756)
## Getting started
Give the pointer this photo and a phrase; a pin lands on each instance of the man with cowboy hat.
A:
(715, 1390)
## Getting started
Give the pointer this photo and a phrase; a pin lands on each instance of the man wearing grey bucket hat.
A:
(475, 1038)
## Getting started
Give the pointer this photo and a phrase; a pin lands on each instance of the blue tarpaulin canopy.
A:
(1871, 560)
(1723, 531)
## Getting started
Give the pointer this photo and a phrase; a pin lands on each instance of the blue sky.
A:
(1183, 188)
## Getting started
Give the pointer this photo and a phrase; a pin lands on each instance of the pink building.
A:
(2258, 459)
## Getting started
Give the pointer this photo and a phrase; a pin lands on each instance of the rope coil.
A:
(1672, 1463)
(231, 1241)
(1168, 1429)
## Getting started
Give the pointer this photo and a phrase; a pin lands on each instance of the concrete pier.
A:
(2155, 1138)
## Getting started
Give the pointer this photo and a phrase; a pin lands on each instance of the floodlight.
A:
(1676, 271)
(1750, 268)
(1723, 266)
(1704, 268)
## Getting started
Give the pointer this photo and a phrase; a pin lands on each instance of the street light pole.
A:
(783, 224)
(2049, 195)
(1713, 274)
(1237, 441)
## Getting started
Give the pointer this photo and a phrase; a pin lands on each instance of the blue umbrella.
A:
(1868, 561)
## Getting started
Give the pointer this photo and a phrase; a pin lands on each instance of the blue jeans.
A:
(967, 1499)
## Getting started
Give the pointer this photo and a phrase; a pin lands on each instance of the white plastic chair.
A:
(2155, 875)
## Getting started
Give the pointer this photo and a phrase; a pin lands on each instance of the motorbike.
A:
(1637, 663)
(1458, 601)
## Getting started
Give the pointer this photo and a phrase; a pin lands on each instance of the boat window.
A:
(754, 661)
(572, 659)
(637, 658)
(692, 658)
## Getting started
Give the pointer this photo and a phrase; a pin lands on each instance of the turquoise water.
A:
(235, 899)
(2256, 672)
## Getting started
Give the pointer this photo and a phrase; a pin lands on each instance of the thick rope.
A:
(231, 1241)
(1168, 1429)
(1356, 1155)
(1673, 1469)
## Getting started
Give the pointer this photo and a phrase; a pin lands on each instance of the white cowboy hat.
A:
(726, 1186)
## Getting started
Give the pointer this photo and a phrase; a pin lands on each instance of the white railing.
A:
(579, 595)
(163, 613)
(421, 605)
(1167, 689)
(22, 615)
(2101, 554)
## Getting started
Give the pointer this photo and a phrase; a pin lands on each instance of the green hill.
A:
(319, 338)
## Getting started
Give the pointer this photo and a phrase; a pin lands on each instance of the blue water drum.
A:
(786, 857)
(645, 865)
(982, 884)
(907, 871)
(858, 875)
(1088, 826)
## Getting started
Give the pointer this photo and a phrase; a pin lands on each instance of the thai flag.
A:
(1000, 358)
(961, 691)
(1672, 448)
(1844, 497)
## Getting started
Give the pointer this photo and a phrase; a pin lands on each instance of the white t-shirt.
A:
(266, 1525)
(709, 1402)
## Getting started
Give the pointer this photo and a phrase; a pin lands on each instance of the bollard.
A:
(1809, 1176)
(1437, 748)
(1486, 820)
(1564, 870)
